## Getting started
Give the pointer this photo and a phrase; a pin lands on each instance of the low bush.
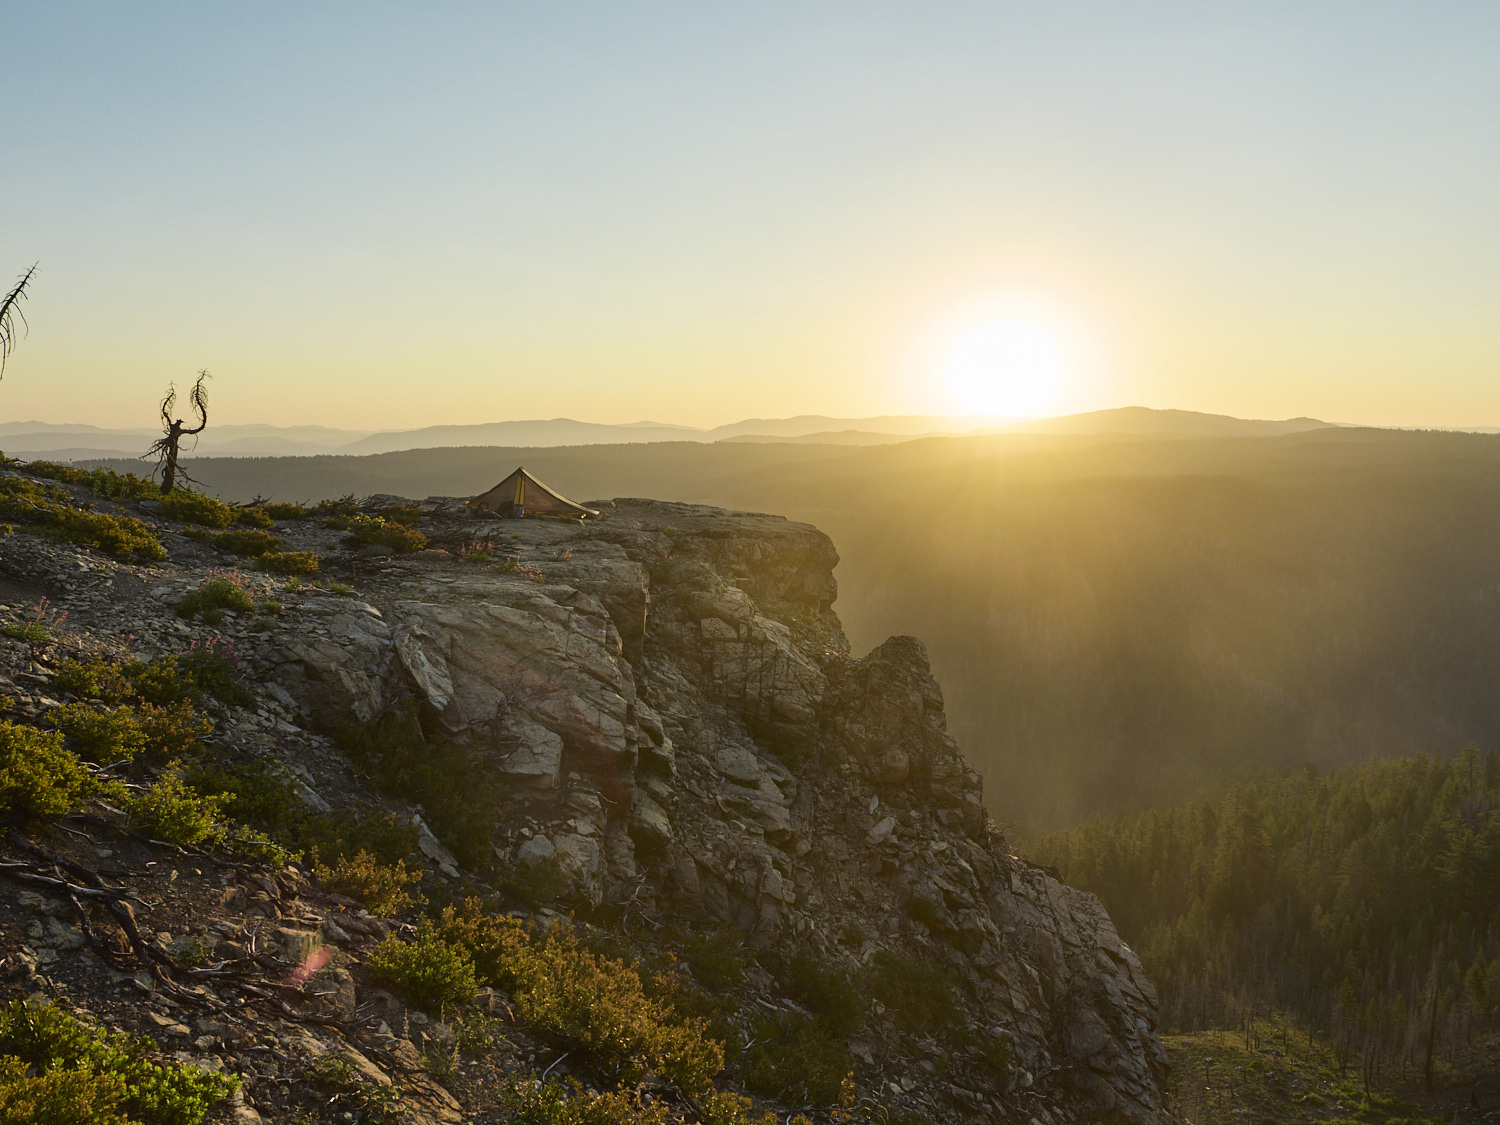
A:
(53, 509)
(492, 941)
(252, 542)
(174, 812)
(920, 993)
(264, 798)
(255, 515)
(103, 482)
(59, 1097)
(284, 511)
(38, 777)
(171, 732)
(103, 736)
(213, 666)
(224, 590)
(407, 514)
(289, 562)
(428, 972)
(717, 958)
(163, 681)
(825, 991)
(794, 1058)
(459, 796)
(568, 1103)
(567, 994)
(118, 1070)
(94, 677)
(534, 883)
(383, 889)
(194, 507)
(376, 531)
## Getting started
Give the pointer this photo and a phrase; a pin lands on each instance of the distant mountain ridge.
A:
(74, 441)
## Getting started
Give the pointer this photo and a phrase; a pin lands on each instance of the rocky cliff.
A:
(658, 712)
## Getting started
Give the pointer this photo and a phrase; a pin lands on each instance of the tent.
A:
(521, 494)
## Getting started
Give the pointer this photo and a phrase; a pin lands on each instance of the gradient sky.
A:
(381, 215)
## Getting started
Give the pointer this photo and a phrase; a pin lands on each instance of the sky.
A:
(383, 216)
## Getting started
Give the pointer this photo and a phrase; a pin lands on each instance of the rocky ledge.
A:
(668, 704)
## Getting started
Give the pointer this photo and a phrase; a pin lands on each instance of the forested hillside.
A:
(1365, 901)
(1117, 620)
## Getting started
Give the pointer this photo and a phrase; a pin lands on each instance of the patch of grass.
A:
(36, 630)
(224, 590)
(289, 562)
(37, 776)
(120, 1069)
(428, 972)
(194, 507)
(920, 993)
(381, 888)
(251, 542)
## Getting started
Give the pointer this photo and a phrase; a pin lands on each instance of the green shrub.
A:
(37, 776)
(267, 800)
(380, 888)
(250, 541)
(376, 531)
(59, 1097)
(559, 1103)
(94, 677)
(225, 589)
(285, 511)
(194, 507)
(407, 514)
(212, 665)
(103, 482)
(162, 681)
(174, 812)
(172, 732)
(53, 509)
(565, 993)
(492, 941)
(289, 562)
(536, 883)
(428, 972)
(793, 1058)
(255, 515)
(460, 797)
(825, 991)
(49, 1041)
(920, 993)
(717, 958)
(107, 736)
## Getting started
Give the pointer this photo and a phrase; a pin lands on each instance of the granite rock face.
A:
(671, 700)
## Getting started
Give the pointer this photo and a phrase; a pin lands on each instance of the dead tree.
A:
(165, 448)
(10, 312)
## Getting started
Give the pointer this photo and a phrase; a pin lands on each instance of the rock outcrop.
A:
(671, 695)
(666, 702)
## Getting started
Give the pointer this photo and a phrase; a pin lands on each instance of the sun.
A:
(1008, 365)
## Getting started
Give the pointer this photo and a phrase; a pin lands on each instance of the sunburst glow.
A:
(1006, 366)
